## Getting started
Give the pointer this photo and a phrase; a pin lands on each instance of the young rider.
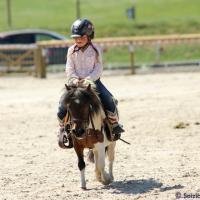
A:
(84, 62)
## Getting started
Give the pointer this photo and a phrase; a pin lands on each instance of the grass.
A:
(147, 54)
(109, 16)
(110, 19)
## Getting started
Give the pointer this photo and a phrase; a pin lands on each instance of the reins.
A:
(90, 117)
(124, 141)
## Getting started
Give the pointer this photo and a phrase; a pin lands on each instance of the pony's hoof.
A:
(98, 179)
(107, 182)
(83, 188)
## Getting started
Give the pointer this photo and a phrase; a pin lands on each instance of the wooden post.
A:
(158, 52)
(132, 58)
(40, 65)
(78, 15)
(36, 61)
(8, 8)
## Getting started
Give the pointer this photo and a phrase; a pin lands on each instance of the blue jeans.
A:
(105, 96)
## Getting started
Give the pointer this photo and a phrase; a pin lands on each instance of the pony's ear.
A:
(89, 87)
(67, 87)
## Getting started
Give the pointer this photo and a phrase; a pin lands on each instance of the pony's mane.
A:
(88, 95)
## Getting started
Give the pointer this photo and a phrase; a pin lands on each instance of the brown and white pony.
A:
(87, 130)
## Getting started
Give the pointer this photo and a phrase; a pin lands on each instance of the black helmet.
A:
(82, 27)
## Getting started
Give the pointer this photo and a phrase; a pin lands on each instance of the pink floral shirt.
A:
(84, 64)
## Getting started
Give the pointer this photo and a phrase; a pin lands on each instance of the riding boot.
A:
(116, 127)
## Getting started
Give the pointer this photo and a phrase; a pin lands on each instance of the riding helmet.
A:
(82, 27)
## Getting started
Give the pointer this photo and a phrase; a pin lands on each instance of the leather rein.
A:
(70, 120)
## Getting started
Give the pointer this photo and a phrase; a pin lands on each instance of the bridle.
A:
(72, 120)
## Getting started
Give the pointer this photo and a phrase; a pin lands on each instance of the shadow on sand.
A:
(139, 186)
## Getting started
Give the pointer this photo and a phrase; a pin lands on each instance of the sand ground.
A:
(161, 160)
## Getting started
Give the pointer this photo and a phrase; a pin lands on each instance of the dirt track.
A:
(160, 162)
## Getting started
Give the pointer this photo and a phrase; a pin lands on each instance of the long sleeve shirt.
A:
(84, 64)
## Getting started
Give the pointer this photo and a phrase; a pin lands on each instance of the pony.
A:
(86, 128)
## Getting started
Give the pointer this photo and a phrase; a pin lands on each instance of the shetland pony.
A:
(87, 130)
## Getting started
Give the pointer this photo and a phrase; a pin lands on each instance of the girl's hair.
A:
(95, 49)
(76, 48)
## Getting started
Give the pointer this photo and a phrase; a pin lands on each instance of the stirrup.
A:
(64, 141)
(117, 130)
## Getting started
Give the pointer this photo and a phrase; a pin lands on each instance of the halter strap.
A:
(72, 119)
(90, 116)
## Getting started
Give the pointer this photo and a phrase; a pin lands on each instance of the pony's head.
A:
(81, 102)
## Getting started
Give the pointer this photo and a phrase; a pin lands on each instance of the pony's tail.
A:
(90, 156)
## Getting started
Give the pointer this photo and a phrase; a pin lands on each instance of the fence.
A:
(130, 50)
(17, 57)
(22, 58)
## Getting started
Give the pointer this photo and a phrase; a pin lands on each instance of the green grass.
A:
(147, 54)
(109, 16)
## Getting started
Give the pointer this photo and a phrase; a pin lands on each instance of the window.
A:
(20, 39)
(43, 37)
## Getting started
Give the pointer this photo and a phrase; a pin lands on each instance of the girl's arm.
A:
(70, 68)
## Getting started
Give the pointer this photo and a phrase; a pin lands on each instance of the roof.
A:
(22, 31)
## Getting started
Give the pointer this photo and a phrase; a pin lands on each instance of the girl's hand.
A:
(80, 81)
(74, 82)
(88, 82)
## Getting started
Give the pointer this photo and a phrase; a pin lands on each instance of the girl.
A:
(84, 62)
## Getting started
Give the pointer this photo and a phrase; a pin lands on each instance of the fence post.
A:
(40, 65)
(132, 58)
(9, 18)
(158, 52)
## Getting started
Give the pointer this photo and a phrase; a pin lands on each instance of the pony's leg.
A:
(100, 162)
(81, 164)
(111, 157)
(97, 172)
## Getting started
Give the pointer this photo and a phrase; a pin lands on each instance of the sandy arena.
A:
(161, 162)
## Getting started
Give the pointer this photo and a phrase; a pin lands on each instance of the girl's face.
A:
(81, 41)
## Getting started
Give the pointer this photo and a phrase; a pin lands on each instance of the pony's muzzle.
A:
(78, 132)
